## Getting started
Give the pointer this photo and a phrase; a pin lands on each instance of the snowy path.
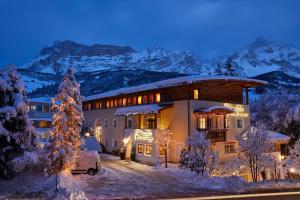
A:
(133, 180)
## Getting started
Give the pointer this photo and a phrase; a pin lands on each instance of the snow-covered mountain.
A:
(56, 58)
(261, 56)
(121, 62)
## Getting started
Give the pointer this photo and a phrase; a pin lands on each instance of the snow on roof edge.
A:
(168, 83)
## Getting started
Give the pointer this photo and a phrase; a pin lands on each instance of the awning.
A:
(215, 109)
(135, 110)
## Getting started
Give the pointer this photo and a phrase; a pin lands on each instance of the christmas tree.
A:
(16, 131)
(67, 121)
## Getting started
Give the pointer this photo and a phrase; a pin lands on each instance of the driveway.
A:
(126, 179)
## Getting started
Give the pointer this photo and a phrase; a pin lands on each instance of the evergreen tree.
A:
(218, 70)
(229, 70)
(16, 131)
(67, 121)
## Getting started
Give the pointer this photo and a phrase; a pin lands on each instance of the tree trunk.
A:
(166, 157)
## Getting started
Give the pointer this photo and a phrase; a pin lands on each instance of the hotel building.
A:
(133, 116)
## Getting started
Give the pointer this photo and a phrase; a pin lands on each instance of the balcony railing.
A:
(215, 135)
(39, 114)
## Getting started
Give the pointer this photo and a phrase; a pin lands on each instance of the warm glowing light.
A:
(125, 141)
(139, 99)
(87, 134)
(281, 157)
(292, 170)
(196, 94)
(157, 97)
(143, 135)
(124, 101)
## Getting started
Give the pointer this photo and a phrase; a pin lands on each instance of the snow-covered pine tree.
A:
(67, 121)
(16, 131)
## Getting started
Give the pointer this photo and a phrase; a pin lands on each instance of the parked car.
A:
(88, 163)
(90, 143)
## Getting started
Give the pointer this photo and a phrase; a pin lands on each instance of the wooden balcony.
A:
(215, 135)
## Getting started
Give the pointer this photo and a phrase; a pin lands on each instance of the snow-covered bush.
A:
(255, 145)
(228, 167)
(16, 132)
(199, 159)
(293, 160)
(67, 122)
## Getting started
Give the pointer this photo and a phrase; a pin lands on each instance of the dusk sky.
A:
(207, 28)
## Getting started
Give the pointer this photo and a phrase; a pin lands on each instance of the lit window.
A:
(157, 97)
(133, 100)
(124, 102)
(139, 99)
(140, 148)
(148, 149)
(39, 107)
(229, 148)
(240, 123)
(145, 99)
(151, 98)
(196, 94)
(116, 103)
(97, 105)
(111, 103)
(120, 102)
(33, 107)
(89, 106)
(162, 150)
(202, 122)
(107, 104)
(129, 101)
(46, 108)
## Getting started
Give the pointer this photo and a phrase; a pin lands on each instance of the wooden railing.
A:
(215, 135)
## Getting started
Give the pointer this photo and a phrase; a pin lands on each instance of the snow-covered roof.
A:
(213, 108)
(277, 137)
(142, 109)
(172, 82)
(41, 100)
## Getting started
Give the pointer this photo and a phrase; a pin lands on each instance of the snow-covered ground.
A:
(125, 179)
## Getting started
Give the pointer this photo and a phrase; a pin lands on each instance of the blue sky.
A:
(207, 28)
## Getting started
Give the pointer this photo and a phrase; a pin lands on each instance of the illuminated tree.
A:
(67, 121)
(165, 140)
(16, 131)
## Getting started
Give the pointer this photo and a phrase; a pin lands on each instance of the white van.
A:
(88, 163)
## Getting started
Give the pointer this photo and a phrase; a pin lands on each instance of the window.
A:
(229, 148)
(226, 123)
(39, 107)
(202, 122)
(114, 143)
(97, 105)
(129, 101)
(46, 108)
(124, 102)
(140, 148)
(129, 123)
(115, 122)
(120, 103)
(162, 150)
(116, 103)
(106, 123)
(133, 100)
(89, 106)
(239, 123)
(107, 104)
(111, 103)
(157, 97)
(196, 94)
(33, 108)
(139, 100)
(151, 98)
(145, 99)
(149, 149)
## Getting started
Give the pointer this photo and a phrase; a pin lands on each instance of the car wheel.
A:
(91, 172)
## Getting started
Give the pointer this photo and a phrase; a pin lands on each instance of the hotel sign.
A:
(143, 135)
